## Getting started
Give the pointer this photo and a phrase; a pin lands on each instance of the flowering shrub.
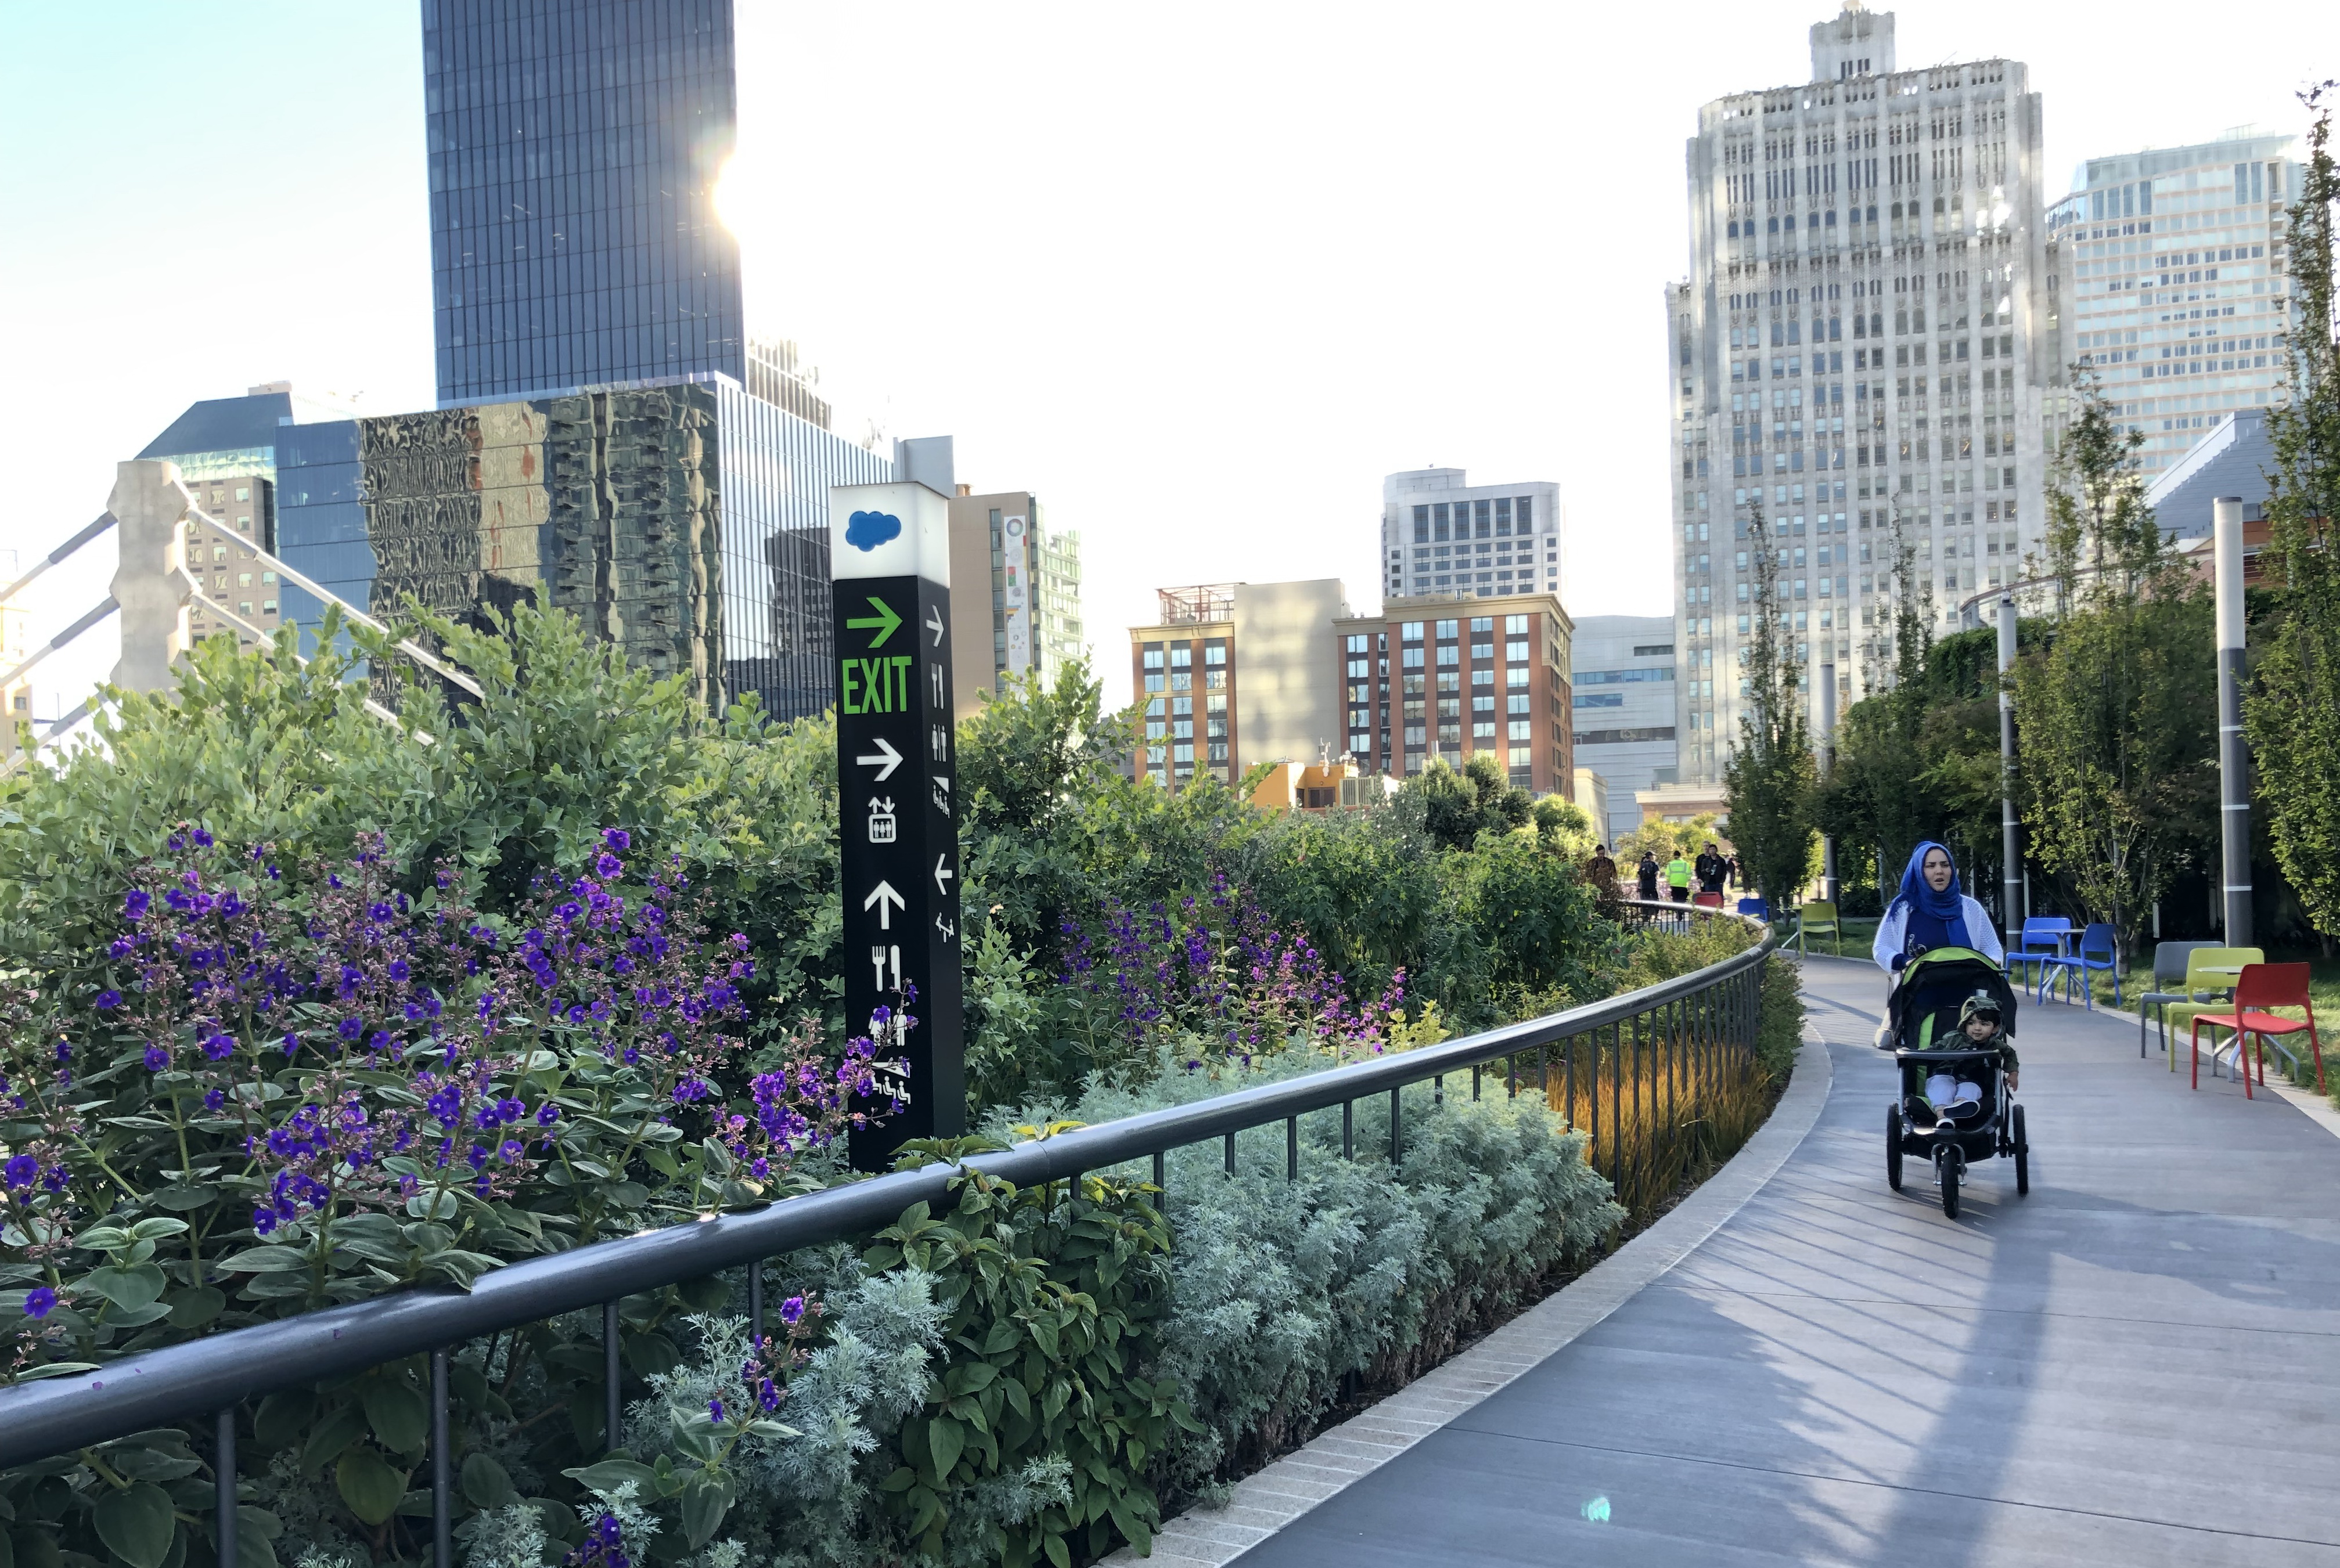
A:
(1212, 980)
(301, 1086)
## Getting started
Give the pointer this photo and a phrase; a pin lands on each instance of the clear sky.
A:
(1198, 276)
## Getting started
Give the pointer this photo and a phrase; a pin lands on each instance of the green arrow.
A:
(884, 621)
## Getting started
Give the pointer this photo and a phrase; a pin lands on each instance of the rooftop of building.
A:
(2231, 459)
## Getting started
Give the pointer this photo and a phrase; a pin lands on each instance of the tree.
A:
(1454, 807)
(1771, 779)
(2293, 710)
(2117, 717)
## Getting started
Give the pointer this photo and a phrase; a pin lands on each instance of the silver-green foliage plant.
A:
(1285, 1289)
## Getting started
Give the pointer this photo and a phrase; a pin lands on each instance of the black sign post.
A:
(898, 811)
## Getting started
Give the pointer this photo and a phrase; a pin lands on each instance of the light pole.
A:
(2010, 885)
(1827, 761)
(2233, 763)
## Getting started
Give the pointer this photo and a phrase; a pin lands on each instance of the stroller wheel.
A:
(2022, 1153)
(1893, 1147)
(1947, 1164)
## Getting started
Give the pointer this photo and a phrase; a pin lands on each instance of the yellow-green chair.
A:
(2210, 991)
(1820, 915)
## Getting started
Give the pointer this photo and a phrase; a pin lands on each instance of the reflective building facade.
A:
(573, 149)
(685, 521)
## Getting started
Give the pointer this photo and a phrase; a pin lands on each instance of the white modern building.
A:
(1621, 706)
(1867, 342)
(1442, 535)
(2174, 261)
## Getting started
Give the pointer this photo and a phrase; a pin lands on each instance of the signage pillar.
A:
(896, 771)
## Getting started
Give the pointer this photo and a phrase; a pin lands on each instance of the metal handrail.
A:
(61, 1414)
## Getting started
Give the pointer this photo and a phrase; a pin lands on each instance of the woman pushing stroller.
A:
(1949, 1021)
(1931, 910)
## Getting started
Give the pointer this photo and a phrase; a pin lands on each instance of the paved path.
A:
(2138, 1364)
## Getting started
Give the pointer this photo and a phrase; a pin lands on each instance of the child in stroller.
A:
(1956, 1093)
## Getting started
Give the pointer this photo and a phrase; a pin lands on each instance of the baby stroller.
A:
(1924, 1009)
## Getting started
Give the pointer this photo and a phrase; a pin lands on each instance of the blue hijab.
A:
(1935, 919)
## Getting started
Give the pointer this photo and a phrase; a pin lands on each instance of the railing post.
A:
(223, 1473)
(1161, 1176)
(443, 1502)
(1568, 1083)
(610, 1402)
(1348, 1129)
(756, 1303)
(1394, 1144)
(1617, 1106)
(1292, 1148)
(1231, 1153)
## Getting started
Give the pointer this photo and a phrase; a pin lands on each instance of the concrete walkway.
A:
(2138, 1364)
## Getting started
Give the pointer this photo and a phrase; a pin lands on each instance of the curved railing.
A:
(1692, 1029)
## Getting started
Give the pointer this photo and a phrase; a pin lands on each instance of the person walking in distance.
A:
(1678, 874)
(1646, 874)
(1710, 868)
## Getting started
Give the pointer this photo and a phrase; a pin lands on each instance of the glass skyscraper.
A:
(574, 147)
(683, 520)
(2175, 270)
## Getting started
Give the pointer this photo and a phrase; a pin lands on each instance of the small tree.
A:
(1771, 779)
(2117, 717)
(2294, 710)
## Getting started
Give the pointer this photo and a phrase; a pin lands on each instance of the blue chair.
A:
(2042, 945)
(2098, 949)
(1759, 907)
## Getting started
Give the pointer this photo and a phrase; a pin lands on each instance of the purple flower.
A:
(263, 1220)
(157, 1059)
(135, 903)
(511, 1151)
(202, 839)
(109, 999)
(219, 1046)
(547, 1114)
(23, 1170)
(608, 866)
(617, 838)
(715, 1410)
(40, 1301)
(791, 1310)
(768, 1394)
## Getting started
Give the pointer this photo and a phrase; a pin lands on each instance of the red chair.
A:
(2256, 989)
(1706, 901)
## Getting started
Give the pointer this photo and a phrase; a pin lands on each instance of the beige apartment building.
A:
(1232, 675)
(239, 521)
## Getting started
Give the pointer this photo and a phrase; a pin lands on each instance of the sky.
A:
(1197, 276)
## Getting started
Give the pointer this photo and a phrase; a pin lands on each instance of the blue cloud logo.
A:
(865, 531)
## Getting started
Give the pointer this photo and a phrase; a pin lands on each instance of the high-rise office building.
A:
(673, 518)
(574, 147)
(2173, 268)
(1622, 680)
(1016, 591)
(1867, 342)
(1442, 534)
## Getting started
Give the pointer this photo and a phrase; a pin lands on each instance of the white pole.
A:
(2233, 763)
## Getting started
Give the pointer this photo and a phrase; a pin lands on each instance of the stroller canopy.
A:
(1936, 985)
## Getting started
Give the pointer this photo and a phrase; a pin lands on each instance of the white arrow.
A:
(885, 761)
(886, 901)
(942, 874)
(935, 624)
